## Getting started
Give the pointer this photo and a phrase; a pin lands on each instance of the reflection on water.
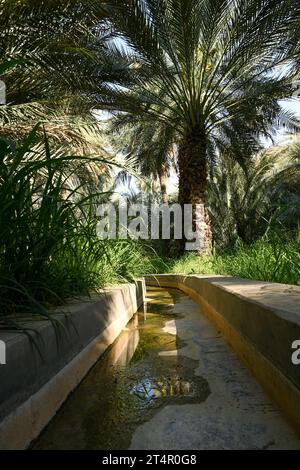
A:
(150, 389)
(124, 348)
(136, 376)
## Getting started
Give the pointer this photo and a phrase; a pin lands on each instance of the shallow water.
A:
(138, 375)
(169, 381)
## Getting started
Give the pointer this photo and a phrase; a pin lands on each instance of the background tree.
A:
(150, 149)
(245, 200)
(197, 65)
(61, 66)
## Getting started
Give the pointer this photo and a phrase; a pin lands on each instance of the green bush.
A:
(49, 249)
(271, 258)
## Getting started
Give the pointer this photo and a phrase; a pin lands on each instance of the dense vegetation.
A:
(150, 91)
(49, 248)
(270, 258)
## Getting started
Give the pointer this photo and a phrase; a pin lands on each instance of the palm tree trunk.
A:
(162, 176)
(192, 161)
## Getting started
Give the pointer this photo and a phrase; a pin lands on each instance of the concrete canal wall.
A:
(35, 381)
(260, 320)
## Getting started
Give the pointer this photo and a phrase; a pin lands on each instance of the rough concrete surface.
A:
(236, 415)
(33, 386)
(260, 320)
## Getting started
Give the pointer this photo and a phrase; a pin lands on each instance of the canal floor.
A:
(169, 381)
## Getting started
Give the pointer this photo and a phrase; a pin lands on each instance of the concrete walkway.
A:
(237, 414)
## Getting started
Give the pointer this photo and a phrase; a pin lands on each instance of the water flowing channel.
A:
(169, 381)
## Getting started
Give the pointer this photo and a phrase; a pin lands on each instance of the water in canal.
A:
(169, 381)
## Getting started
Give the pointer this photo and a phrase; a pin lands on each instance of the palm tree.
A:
(245, 199)
(149, 148)
(53, 59)
(199, 67)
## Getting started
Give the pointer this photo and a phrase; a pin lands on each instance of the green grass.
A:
(271, 258)
(50, 251)
(49, 248)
